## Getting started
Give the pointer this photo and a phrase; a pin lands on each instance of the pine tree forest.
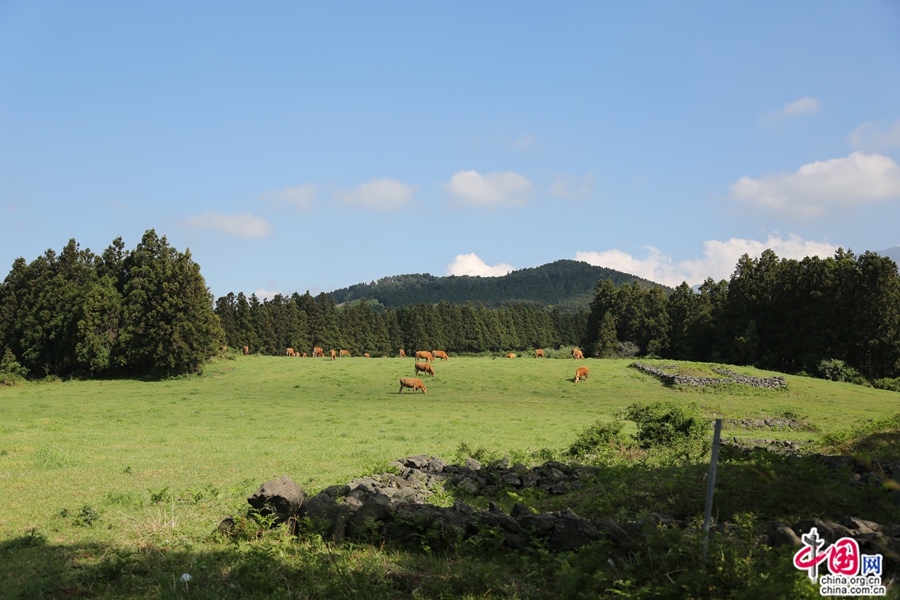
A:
(779, 314)
(148, 311)
(145, 311)
(302, 322)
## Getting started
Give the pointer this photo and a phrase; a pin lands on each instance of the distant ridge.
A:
(892, 253)
(565, 284)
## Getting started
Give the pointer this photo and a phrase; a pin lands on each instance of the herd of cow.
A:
(428, 357)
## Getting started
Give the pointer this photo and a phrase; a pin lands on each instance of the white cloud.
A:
(792, 109)
(470, 264)
(718, 260)
(868, 137)
(300, 196)
(571, 187)
(379, 194)
(817, 185)
(245, 225)
(264, 294)
(492, 189)
(525, 142)
(799, 107)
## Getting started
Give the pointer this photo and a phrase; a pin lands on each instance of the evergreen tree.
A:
(263, 327)
(226, 309)
(245, 331)
(168, 321)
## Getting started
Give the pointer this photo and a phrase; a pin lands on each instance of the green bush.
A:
(11, 372)
(595, 437)
(887, 384)
(667, 423)
(834, 369)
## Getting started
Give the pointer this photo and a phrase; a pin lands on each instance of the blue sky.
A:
(297, 146)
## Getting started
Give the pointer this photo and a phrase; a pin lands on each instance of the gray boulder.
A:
(280, 497)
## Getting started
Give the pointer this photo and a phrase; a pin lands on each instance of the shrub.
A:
(834, 369)
(667, 423)
(598, 435)
(628, 350)
(887, 384)
(11, 372)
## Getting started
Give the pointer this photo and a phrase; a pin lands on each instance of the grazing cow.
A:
(318, 352)
(412, 382)
(577, 354)
(441, 355)
(333, 355)
(510, 355)
(539, 353)
(425, 367)
(246, 350)
(581, 373)
(304, 355)
(424, 355)
(402, 353)
(290, 351)
(367, 355)
(345, 353)
(223, 348)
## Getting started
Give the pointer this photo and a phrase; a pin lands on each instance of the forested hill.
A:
(566, 284)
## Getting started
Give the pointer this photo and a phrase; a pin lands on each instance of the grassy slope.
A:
(247, 420)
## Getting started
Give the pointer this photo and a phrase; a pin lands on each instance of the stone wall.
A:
(394, 506)
(729, 376)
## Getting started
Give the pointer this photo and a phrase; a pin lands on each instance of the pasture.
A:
(162, 462)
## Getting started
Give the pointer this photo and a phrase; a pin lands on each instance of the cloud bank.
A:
(493, 189)
(244, 225)
(718, 260)
(378, 194)
(817, 186)
(470, 264)
(868, 137)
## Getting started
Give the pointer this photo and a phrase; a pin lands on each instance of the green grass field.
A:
(201, 444)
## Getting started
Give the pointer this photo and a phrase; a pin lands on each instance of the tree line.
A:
(303, 322)
(148, 311)
(780, 314)
(131, 312)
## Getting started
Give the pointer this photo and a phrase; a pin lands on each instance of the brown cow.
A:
(367, 355)
(402, 353)
(223, 348)
(318, 352)
(581, 373)
(425, 367)
(412, 382)
(333, 354)
(345, 353)
(510, 355)
(424, 355)
(440, 354)
(304, 355)
(290, 351)
(246, 350)
(577, 354)
(539, 353)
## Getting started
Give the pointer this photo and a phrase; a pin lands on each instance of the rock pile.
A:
(729, 376)
(773, 423)
(760, 382)
(394, 506)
